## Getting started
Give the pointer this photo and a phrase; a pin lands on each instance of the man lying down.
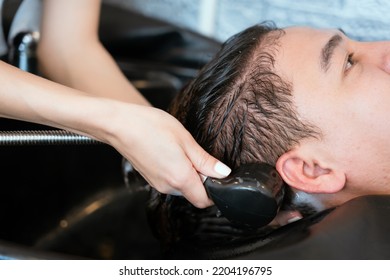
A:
(311, 102)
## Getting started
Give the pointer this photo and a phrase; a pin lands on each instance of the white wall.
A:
(362, 19)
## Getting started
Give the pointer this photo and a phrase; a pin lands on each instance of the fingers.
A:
(178, 178)
(187, 182)
(202, 165)
(195, 192)
(205, 163)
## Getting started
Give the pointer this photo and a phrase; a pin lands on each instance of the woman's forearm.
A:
(70, 52)
(27, 97)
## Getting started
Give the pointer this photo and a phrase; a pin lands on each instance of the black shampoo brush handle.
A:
(250, 196)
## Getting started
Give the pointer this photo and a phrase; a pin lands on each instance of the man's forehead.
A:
(303, 43)
(299, 52)
(309, 31)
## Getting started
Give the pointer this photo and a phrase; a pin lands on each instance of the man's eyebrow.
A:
(342, 31)
(328, 50)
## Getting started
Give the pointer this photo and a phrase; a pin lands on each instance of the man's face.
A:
(343, 87)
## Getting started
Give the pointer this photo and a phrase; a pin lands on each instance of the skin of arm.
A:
(95, 99)
(71, 53)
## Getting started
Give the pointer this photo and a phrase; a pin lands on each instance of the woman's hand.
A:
(163, 152)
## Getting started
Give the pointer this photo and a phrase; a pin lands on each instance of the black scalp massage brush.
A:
(250, 196)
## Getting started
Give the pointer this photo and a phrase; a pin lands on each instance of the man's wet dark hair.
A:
(240, 111)
(238, 108)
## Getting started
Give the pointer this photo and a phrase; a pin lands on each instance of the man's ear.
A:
(309, 175)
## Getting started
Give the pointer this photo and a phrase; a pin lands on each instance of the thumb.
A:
(206, 164)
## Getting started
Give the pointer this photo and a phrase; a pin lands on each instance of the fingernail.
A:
(222, 169)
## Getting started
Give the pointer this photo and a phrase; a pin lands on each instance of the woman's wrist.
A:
(105, 119)
(99, 121)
